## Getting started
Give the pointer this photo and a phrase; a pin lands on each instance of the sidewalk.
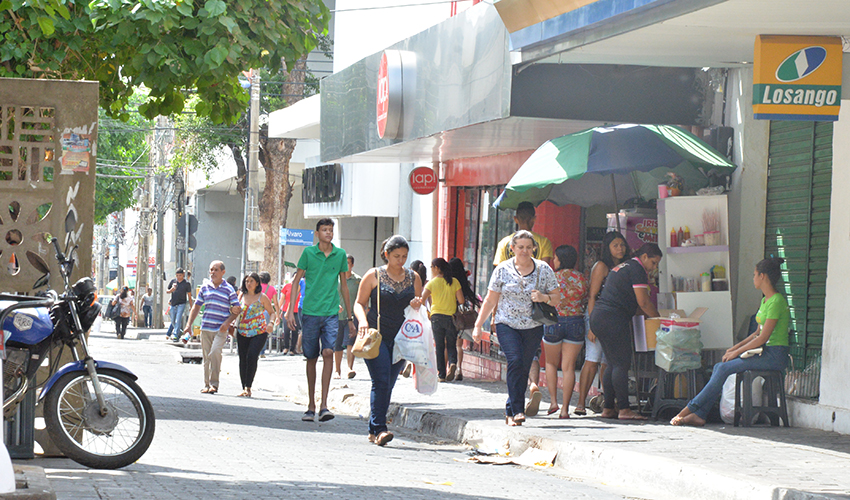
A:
(714, 462)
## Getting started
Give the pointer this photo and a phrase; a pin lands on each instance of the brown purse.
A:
(368, 343)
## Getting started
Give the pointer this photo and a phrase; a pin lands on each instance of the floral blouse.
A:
(514, 307)
(574, 292)
(253, 320)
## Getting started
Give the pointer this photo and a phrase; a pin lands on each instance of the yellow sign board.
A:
(797, 78)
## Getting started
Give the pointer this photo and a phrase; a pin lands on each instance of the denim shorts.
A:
(570, 330)
(315, 330)
(343, 335)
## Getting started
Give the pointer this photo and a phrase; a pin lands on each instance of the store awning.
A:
(299, 121)
(130, 282)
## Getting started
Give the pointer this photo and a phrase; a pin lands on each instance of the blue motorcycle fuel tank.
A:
(27, 326)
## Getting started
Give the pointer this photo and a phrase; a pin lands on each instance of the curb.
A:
(663, 477)
(30, 484)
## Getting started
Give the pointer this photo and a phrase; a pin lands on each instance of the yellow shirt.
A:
(443, 296)
(542, 252)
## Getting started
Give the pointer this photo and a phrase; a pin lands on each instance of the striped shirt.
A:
(218, 301)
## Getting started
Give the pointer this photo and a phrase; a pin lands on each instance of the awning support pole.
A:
(616, 204)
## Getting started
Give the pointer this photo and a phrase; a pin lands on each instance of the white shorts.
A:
(592, 350)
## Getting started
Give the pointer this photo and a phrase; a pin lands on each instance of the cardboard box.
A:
(645, 328)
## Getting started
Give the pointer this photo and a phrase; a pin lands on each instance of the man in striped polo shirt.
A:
(221, 308)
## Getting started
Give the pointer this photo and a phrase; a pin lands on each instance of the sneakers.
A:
(308, 416)
(325, 415)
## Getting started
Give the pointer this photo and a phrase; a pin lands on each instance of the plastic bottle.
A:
(680, 237)
(674, 242)
(687, 233)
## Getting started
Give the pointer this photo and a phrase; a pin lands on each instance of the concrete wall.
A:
(747, 200)
(219, 233)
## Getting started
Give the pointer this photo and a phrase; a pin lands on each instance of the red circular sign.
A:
(423, 180)
(383, 96)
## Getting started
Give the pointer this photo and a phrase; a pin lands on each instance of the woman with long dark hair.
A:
(445, 294)
(615, 250)
(252, 328)
(124, 301)
(773, 319)
(471, 300)
(398, 287)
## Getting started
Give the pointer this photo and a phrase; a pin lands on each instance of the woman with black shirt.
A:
(626, 290)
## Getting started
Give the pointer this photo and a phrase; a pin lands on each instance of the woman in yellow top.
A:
(445, 294)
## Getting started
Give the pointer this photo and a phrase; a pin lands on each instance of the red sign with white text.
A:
(383, 96)
(423, 180)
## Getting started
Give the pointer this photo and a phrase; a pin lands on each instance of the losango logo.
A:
(412, 329)
(801, 64)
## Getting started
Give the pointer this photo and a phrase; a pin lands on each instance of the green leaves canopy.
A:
(171, 47)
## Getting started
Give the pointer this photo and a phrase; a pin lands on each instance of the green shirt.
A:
(321, 275)
(353, 283)
(776, 307)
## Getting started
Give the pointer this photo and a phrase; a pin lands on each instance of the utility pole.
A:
(162, 139)
(144, 246)
(252, 179)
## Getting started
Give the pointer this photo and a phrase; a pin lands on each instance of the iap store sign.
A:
(797, 78)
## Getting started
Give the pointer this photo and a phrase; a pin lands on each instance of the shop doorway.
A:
(799, 188)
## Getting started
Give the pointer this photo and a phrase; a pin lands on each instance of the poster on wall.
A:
(76, 149)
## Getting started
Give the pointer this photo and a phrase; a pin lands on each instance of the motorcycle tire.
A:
(76, 427)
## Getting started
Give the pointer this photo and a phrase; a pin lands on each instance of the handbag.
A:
(113, 311)
(542, 312)
(368, 343)
(464, 318)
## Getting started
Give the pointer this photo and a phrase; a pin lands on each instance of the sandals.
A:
(533, 405)
(511, 422)
(384, 438)
(209, 390)
(245, 394)
(553, 409)
(580, 411)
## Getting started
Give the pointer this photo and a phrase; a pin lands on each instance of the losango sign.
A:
(423, 180)
(797, 78)
(296, 237)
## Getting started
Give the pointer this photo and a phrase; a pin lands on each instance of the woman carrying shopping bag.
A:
(398, 288)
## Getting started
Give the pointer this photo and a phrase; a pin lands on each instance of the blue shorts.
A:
(569, 330)
(316, 329)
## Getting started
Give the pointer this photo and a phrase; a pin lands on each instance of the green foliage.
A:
(122, 144)
(168, 46)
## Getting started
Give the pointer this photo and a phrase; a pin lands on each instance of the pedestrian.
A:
(290, 337)
(524, 218)
(323, 267)
(562, 343)
(221, 306)
(127, 309)
(615, 250)
(270, 292)
(252, 328)
(398, 288)
(773, 319)
(347, 333)
(181, 293)
(514, 286)
(471, 300)
(147, 307)
(626, 290)
(231, 280)
(419, 267)
(445, 294)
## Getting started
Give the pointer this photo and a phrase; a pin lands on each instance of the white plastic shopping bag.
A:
(727, 397)
(415, 343)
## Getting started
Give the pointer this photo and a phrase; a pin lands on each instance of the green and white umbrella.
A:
(605, 164)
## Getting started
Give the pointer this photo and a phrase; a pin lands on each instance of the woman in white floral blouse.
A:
(515, 284)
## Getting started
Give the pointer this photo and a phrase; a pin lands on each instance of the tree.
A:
(170, 47)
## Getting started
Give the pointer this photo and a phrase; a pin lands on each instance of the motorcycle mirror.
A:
(41, 281)
(70, 221)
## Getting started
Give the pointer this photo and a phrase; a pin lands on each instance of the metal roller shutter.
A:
(799, 187)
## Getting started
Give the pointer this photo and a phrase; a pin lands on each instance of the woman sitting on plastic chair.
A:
(773, 319)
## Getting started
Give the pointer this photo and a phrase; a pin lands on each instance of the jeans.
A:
(613, 332)
(445, 336)
(176, 314)
(121, 326)
(520, 347)
(384, 375)
(249, 352)
(772, 358)
(148, 311)
(290, 337)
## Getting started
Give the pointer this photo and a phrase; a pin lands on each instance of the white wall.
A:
(364, 27)
(748, 199)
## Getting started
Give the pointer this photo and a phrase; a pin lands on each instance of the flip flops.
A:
(580, 411)
(553, 410)
(533, 405)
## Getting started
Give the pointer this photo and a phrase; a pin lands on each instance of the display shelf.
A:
(699, 249)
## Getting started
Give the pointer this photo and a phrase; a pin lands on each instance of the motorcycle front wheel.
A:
(77, 427)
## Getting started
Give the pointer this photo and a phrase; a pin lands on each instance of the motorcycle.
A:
(94, 411)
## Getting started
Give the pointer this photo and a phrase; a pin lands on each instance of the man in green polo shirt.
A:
(323, 267)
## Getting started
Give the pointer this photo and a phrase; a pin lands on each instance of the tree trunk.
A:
(275, 155)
